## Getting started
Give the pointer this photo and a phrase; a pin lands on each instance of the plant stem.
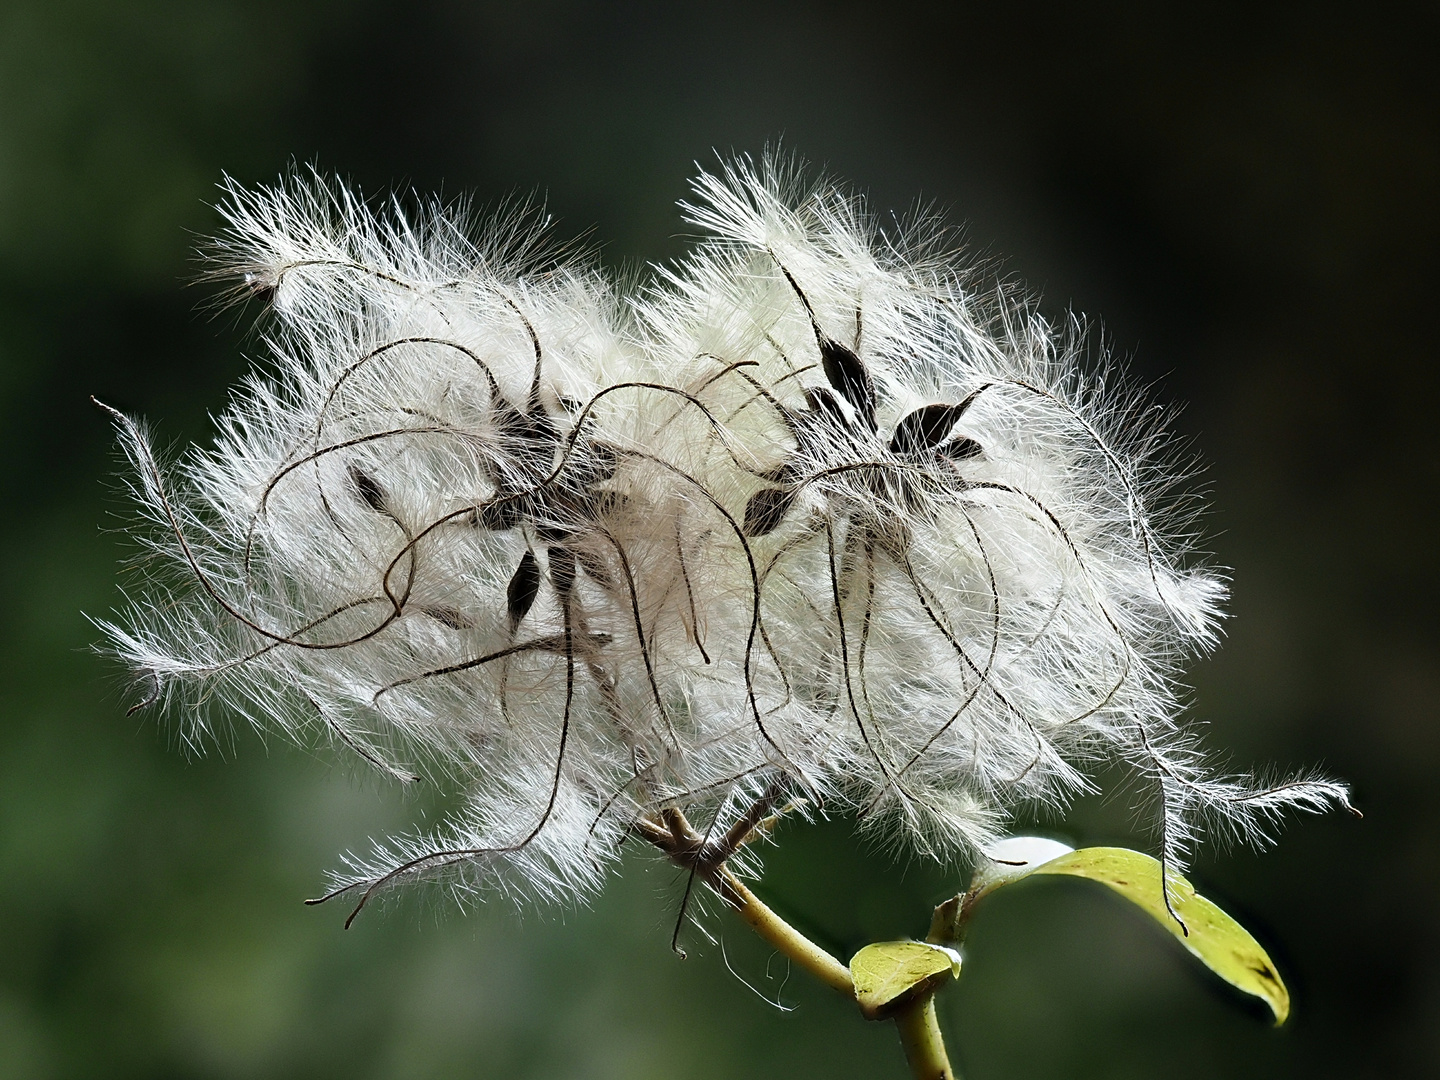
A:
(924, 1045)
(784, 937)
(673, 834)
(919, 1029)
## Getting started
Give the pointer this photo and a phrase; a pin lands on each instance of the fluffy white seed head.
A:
(808, 514)
(966, 528)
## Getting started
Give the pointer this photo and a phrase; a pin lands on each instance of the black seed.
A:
(503, 513)
(924, 429)
(607, 503)
(524, 585)
(848, 375)
(970, 399)
(529, 438)
(553, 531)
(825, 404)
(600, 463)
(368, 489)
(962, 448)
(450, 616)
(765, 510)
(562, 569)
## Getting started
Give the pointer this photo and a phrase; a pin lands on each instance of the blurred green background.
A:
(1246, 194)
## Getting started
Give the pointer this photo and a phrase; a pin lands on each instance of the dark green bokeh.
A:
(1249, 196)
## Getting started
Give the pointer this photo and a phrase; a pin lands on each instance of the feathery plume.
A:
(965, 529)
(808, 516)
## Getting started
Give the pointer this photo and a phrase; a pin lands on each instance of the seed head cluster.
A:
(810, 512)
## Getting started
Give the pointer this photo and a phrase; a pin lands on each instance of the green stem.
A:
(784, 937)
(919, 1030)
(924, 1045)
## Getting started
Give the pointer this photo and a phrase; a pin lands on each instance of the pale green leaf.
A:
(1222, 944)
(890, 974)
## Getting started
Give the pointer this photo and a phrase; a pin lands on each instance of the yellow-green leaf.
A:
(1222, 944)
(890, 974)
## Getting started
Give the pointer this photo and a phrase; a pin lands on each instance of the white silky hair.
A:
(978, 537)
(808, 513)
